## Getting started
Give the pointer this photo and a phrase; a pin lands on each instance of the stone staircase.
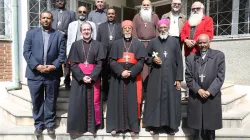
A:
(17, 122)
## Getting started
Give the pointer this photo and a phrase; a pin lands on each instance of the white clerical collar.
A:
(203, 54)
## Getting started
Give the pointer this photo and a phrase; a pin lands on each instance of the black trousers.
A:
(44, 95)
(67, 79)
(204, 135)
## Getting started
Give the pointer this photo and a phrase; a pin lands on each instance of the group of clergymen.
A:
(126, 60)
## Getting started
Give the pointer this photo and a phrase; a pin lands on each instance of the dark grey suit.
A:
(67, 18)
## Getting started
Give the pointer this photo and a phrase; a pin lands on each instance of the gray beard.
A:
(127, 36)
(163, 37)
(82, 18)
(195, 19)
(146, 15)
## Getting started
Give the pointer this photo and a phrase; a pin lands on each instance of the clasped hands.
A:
(87, 79)
(190, 43)
(177, 85)
(157, 60)
(45, 68)
(126, 73)
(204, 94)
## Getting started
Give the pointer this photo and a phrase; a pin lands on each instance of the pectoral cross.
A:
(155, 54)
(127, 57)
(145, 24)
(202, 77)
(165, 54)
(86, 63)
(110, 37)
(58, 23)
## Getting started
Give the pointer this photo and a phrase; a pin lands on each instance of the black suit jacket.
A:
(103, 35)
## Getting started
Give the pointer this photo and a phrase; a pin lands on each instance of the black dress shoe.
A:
(51, 131)
(38, 132)
(67, 86)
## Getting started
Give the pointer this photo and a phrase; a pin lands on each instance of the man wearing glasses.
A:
(197, 24)
(62, 19)
(74, 33)
(176, 18)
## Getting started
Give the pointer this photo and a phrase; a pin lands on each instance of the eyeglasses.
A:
(176, 4)
(196, 9)
(84, 12)
(60, 1)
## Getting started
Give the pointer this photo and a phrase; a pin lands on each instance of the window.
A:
(5, 21)
(38, 6)
(230, 17)
(35, 8)
(244, 21)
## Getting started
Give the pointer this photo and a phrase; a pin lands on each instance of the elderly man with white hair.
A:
(177, 19)
(99, 15)
(163, 103)
(145, 29)
(198, 23)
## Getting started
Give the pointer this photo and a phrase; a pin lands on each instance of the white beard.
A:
(195, 19)
(146, 15)
(163, 37)
(127, 36)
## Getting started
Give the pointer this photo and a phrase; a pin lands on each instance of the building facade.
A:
(231, 24)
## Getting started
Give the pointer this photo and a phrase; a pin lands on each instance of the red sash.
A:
(97, 93)
(133, 60)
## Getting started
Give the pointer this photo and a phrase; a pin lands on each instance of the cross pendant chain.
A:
(202, 76)
(110, 37)
(58, 23)
(165, 54)
(86, 63)
(127, 57)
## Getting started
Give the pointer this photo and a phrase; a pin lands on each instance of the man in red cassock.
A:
(197, 24)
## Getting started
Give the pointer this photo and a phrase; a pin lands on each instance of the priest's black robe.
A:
(122, 105)
(81, 111)
(163, 101)
(205, 113)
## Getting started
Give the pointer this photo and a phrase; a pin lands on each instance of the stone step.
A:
(237, 116)
(233, 134)
(22, 97)
(22, 116)
(231, 99)
(9, 131)
(19, 115)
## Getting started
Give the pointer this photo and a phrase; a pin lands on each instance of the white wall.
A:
(22, 29)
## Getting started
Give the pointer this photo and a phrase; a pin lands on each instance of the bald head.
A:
(146, 4)
(203, 42)
(203, 37)
(176, 6)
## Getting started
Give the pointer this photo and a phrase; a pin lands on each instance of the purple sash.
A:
(97, 93)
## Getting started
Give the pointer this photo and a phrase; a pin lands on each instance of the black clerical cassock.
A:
(123, 108)
(85, 105)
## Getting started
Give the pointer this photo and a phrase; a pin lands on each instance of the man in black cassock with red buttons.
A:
(126, 61)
